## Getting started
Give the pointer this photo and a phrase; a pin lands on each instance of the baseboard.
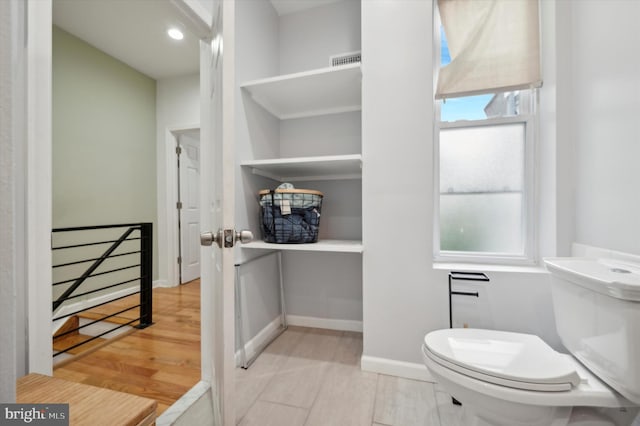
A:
(258, 341)
(161, 283)
(390, 367)
(328, 323)
(88, 303)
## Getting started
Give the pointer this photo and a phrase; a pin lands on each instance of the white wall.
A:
(104, 167)
(606, 104)
(511, 301)
(554, 179)
(257, 137)
(177, 107)
(309, 38)
(257, 131)
(334, 134)
(403, 297)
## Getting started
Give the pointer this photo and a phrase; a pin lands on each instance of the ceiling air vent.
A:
(345, 59)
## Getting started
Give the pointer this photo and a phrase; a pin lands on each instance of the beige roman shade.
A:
(494, 46)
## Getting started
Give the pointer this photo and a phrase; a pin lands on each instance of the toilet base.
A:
(480, 409)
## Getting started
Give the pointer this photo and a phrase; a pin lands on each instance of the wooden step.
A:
(88, 405)
(72, 323)
(60, 343)
(118, 319)
(99, 312)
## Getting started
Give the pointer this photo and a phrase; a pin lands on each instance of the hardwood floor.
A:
(161, 362)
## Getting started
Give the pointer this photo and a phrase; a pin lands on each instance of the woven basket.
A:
(290, 216)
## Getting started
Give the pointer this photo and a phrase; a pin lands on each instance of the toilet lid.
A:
(522, 361)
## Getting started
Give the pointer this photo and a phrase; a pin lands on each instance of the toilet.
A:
(515, 379)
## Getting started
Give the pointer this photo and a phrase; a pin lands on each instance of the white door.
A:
(189, 178)
(217, 91)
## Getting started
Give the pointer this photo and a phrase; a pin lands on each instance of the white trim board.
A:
(173, 415)
(37, 188)
(326, 323)
(162, 284)
(262, 338)
(390, 367)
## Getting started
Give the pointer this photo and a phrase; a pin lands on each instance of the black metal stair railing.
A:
(118, 250)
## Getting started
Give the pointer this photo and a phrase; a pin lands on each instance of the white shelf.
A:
(308, 168)
(310, 93)
(335, 246)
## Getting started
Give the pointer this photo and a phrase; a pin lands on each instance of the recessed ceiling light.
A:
(175, 34)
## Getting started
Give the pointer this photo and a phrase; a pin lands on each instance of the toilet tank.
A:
(597, 309)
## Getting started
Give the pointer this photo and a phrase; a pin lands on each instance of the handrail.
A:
(145, 252)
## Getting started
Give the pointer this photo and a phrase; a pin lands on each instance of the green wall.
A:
(104, 139)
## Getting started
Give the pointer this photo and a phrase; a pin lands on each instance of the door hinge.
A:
(178, 150)
(179, 205)
(179, 260)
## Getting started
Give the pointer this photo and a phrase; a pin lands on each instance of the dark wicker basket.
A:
(290, 216)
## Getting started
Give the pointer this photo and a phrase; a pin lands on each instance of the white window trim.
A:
(528, 256)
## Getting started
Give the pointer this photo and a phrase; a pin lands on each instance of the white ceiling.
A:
(284, 7)
(133, 31)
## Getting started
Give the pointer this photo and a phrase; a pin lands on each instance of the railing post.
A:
(146, 274)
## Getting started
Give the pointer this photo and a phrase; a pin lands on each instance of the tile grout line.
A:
(287, 355)
(324, 379)
(375, 400)
(435, 400)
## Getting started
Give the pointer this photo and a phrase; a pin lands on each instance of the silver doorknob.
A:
(226, 237)
(244, 236)
(208, 238)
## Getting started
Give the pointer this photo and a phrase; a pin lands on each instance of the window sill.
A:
(480, 267)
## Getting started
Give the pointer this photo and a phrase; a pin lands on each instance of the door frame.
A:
(168, 235)
(35, 211)
(182, 232)
(25, 185)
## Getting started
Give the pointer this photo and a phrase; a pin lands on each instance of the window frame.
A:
(527, 257)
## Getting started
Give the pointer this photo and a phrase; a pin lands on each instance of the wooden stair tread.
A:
(71, 323)
(73, 339)
(118, 319)
(88, 405)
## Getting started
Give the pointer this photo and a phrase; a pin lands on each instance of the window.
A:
(484, 189)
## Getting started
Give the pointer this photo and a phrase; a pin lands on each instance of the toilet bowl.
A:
(514, 379)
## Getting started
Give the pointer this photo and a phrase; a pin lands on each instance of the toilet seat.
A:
(590, 391)
(516, 360)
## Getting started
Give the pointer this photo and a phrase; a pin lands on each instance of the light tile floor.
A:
(312, 377)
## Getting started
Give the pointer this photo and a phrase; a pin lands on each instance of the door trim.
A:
(37, 211)
(168, 232)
